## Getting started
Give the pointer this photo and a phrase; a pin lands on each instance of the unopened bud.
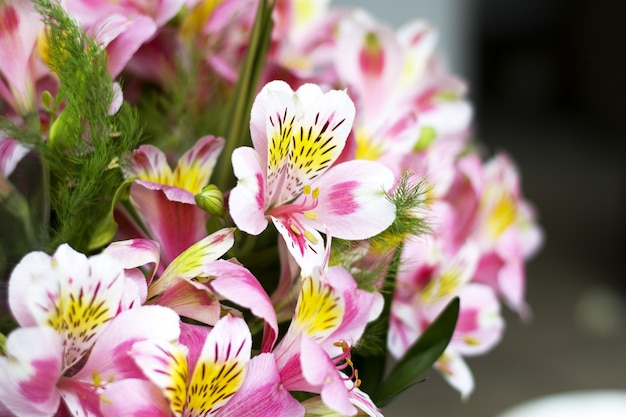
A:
(211, 200)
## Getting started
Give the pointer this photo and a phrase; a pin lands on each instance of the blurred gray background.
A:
(548, 81)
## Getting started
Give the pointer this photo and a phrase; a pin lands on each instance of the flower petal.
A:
(246, 202)
(196, 166)
(170, 214)
(166, 366)
(70, 293)
(352, 202)
(190, 299)
(262, 393)
(30, 371)
(191, 263)
(109, 359)
(220, 370)
(235, 283)
(133, 398)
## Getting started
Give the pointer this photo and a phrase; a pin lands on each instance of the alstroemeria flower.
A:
(289, 177)
(330, 316)
(216, 376)
(19, 27)
(82, 310)
(195, 282)
(75, 295)
(164, 199)
(430, 279)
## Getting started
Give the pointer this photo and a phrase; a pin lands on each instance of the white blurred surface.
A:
(573, 404)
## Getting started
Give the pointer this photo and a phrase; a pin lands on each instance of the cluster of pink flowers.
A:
(162, 321)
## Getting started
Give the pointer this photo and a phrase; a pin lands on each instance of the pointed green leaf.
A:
(106, 229)
(420, 356)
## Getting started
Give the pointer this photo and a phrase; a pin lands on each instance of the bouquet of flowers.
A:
(327, 209)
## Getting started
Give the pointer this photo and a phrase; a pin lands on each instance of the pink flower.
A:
(78, 315)
(164, 199)
(19, 27)
(212, 375)
(289, 177)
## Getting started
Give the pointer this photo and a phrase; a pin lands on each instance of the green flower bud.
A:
(211, 200)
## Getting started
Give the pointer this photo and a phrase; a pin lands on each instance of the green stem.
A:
(236, 130)
(372, 367)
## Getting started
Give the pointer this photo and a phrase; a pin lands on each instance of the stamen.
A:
(316, 193)
(310, 237)
(345, 356)
(311, 215)
(306, 189)
(295, 229)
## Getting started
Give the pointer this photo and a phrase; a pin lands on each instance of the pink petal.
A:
(149, 163)
(454, 370)
(164, 364)
(321, 372)
(75, 295)
(193, 300)
(237, 284)
(352, 202)
(122, 37)
(479, 326)
(221, 365)
(262, 393)
(175, 224)
(136, 253)
(305, 246)
(11, 152)
(196, 166)
(80, 397)
(246, 202)
(109, 357)
(30, 371)
(191, 263)
(134, 398)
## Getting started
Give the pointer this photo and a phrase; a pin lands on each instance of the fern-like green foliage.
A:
(86, 144)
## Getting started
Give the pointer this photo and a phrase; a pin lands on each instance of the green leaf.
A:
(106, 229)
(420, 356)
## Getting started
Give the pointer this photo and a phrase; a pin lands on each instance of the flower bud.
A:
(211, 200)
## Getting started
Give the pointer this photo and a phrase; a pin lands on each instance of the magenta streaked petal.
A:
(80, 397)
(175, 225)
(134, 398)
(192, 300)
(122, 37)
(262, 393)
(149, 163)
(246, 201)
(165, 365)
(136, 253)
(353, 203)
(221, 366)
(360, 307)
(193, 336)
(19, 27)
(479, 326)
(109, 357)
(321, 372)
(235, 283)
(196, 166)
(305, 246)
(30, 371)
(11, 152)
(75, 295)
(191, 263)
